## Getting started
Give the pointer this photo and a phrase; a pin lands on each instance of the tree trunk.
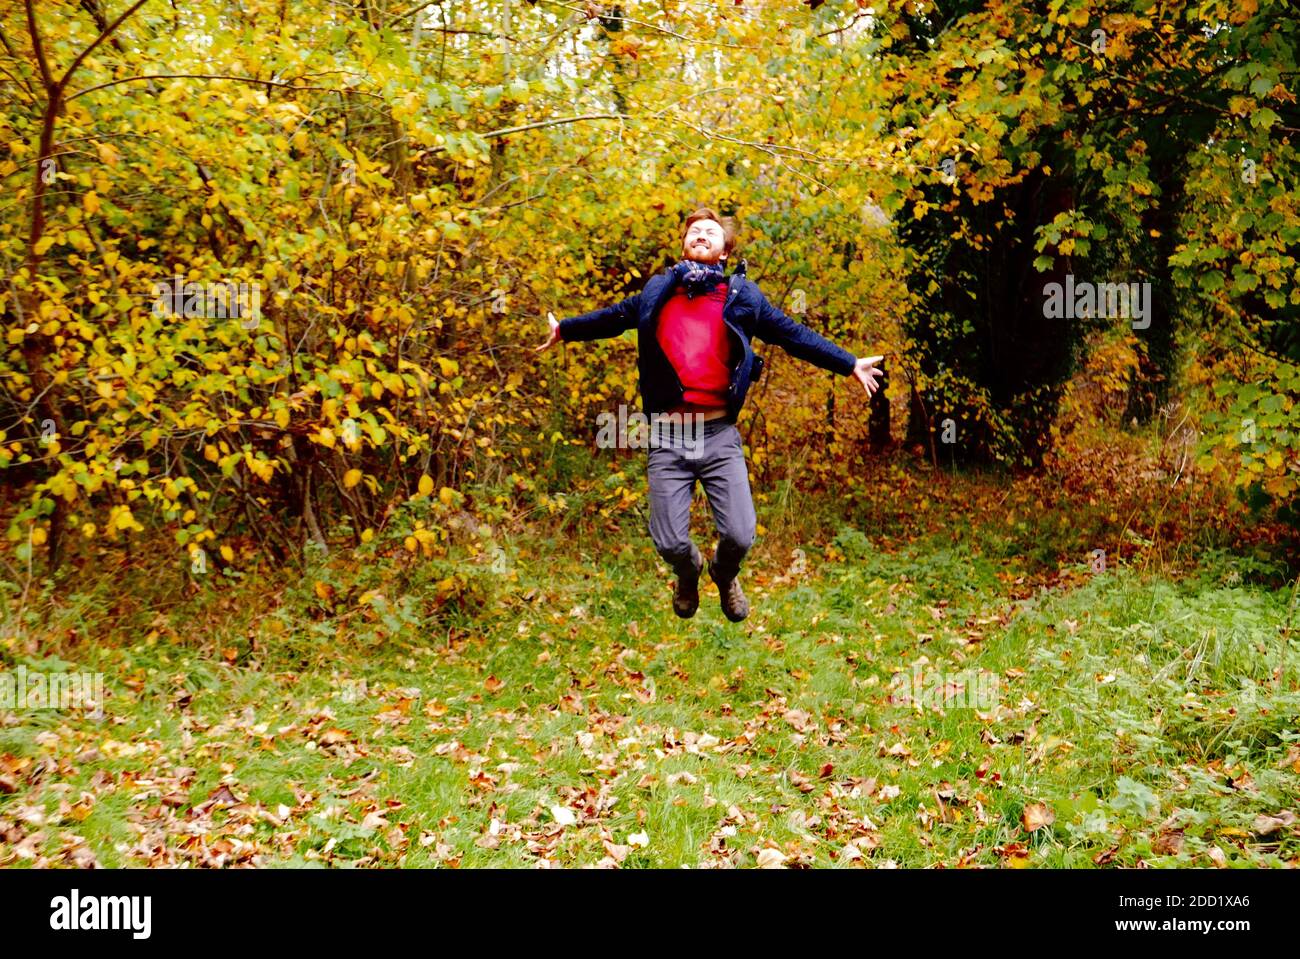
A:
(878, 414)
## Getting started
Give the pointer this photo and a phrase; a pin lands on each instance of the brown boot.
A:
(686, 597)
(734, 604)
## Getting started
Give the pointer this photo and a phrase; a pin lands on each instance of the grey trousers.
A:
(711, 453)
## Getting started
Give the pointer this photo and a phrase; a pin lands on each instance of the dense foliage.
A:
(402, 190)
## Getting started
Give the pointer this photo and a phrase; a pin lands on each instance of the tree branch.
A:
(216, 76)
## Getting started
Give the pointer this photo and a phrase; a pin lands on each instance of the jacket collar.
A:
(734, 281)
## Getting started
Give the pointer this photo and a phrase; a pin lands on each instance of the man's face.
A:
(704, 242)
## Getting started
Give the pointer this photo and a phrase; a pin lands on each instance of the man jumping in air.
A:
(695, 363)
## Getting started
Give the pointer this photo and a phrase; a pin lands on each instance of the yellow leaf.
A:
(426, 484)
(227, 554)
(446, 494)
(351, 478)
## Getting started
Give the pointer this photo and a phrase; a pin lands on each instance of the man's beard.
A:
(693, 253)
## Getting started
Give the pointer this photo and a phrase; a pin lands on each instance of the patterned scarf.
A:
(698, 278)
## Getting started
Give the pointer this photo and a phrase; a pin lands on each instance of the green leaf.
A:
(1260, 86)
(1263, 118)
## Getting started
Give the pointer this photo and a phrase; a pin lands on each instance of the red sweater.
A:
(698, 345)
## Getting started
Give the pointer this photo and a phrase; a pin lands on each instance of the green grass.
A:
(1154, 717)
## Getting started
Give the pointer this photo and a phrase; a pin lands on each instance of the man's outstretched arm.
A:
(799, 341)
(598, 324)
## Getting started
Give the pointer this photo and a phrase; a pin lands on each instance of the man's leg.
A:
(672, 483)
(725, 478)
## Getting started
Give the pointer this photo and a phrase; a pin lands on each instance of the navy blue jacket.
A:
(746, 312)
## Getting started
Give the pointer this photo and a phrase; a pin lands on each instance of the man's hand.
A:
(555, 333)
(866, 372)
